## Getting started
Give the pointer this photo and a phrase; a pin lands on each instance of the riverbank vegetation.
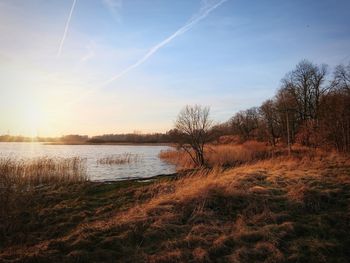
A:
(280, 209)
(124, 158)
(222, 155)
(20, 177)
(309, 110)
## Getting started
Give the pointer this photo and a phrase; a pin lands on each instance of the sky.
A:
(115, 66)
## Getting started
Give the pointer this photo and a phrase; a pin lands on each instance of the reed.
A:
(42, 170)
(228, 155)
(18, 177)
(123, 158)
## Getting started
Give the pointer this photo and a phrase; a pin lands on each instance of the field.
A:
(269, 209)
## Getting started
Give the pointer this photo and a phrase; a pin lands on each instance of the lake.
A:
(149, 164)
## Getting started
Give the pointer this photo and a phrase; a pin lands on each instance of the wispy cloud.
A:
(90, 52)
(113, 5)
(66, 28)
(206, 8)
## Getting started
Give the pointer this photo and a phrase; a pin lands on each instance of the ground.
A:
(285, 209)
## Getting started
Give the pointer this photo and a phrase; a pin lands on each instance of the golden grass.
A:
(42, 170)
(226, 155)
(120, 159)
(285, 209)
(18, 177)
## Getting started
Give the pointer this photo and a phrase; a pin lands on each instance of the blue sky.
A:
(231, 57)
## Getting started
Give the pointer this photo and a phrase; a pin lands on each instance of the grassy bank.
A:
(224, 155)
(286, 209)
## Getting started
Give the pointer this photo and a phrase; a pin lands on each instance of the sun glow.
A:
(33, 119)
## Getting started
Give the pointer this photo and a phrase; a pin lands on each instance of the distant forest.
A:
(311, 108)
(106, 138)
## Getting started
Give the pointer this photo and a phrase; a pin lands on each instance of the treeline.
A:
(62, 139)
(107, 138)
(309, 109)
(10, 138)
(131, 138)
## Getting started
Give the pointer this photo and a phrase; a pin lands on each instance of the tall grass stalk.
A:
(42, 170)
(228, 155)
(19, 176)
(120, 159)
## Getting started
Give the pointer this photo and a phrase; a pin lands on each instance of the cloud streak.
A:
(204, 11)
(113, 5)
(66, 29)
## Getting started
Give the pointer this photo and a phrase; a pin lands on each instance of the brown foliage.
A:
(277, 210)
(306, 110)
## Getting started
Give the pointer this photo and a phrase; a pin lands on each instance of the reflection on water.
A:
(149, 165)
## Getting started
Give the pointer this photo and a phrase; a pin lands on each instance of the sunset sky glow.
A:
(115, 66)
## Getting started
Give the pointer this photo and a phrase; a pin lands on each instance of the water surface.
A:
(149, 165)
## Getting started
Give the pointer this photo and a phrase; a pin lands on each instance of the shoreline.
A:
(105, 143)
(142, 179)
(109, 143)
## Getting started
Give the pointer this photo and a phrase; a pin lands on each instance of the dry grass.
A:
(41, 170)
(284, 209)
(226, 155)
(19, 177)
(120, 159)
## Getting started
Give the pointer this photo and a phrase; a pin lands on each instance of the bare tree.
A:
(244, 123)
(193, 127)
(342, 77)
(270, 116)
(309, 109)
(305, 84)
(335, 118)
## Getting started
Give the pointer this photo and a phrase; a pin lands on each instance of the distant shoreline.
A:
(109, 143)
(99, 143)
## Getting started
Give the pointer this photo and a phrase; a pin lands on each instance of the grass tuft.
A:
(120, 159)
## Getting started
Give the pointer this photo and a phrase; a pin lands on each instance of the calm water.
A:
(149, 165)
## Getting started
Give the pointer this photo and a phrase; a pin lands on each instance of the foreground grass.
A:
(20, 177)
(276, 210)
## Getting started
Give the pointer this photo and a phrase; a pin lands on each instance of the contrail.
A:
(66, 28)
(204, 12)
